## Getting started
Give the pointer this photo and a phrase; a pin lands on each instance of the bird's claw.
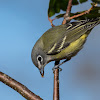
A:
(56, 67)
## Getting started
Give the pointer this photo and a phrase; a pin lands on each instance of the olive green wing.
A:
(63, 38)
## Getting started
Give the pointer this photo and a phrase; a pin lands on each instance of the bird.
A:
(61, 42)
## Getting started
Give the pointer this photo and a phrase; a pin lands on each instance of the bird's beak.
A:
(42, 72)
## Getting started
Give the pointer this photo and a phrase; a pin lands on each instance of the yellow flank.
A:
(72, 48)
(83, 37)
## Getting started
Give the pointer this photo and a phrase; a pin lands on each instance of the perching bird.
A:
(61, 42)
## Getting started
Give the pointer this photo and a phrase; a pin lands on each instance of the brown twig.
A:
(24, 91)
(67, 18)
(86, 12)
(56, 83)
(67, 15)
(51, 21)
(75, 16)
(69, 8)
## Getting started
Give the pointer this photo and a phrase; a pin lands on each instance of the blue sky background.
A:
(22, 22)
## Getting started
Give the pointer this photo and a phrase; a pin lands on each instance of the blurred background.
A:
(22, 22)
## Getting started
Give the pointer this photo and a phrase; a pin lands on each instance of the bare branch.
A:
(68, 18)
(86, 12)
(67, 15)
(56, 83)
(51, 21)
(69, 8)
(24, 91)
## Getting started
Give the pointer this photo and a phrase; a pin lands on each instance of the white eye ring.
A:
(39, 58)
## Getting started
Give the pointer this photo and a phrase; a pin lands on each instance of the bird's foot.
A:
(57, 64)
(56, 67)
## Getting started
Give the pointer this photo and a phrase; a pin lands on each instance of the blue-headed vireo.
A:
(61, 42)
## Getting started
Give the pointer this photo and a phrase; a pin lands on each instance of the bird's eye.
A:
(39, 58)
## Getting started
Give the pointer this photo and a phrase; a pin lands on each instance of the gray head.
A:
(39, 58)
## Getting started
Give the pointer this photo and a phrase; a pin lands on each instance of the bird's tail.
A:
(96, 20)
(91, 23)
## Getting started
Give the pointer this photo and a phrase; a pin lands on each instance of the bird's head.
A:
(39, 58)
